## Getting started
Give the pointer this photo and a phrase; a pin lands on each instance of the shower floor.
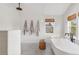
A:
(33, 49)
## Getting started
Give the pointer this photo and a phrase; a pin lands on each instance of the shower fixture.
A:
(19, 8)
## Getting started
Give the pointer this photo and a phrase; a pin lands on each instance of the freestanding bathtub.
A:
(62, 46)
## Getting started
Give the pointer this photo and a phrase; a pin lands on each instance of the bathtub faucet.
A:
(71, 37)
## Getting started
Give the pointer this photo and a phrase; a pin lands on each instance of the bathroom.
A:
(38, 17)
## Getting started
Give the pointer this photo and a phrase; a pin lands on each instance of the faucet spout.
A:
(71, 37)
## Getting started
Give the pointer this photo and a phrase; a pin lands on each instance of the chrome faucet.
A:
(71, 36)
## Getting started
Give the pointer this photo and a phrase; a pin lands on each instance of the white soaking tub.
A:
(62, 46)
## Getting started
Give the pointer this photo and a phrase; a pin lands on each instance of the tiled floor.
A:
(33, 49)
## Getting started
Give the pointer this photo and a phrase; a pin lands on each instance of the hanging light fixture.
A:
(19, 8)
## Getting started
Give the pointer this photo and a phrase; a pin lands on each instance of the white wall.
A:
(9, 16)
(58, 29)
(14, 42)
(37, 12)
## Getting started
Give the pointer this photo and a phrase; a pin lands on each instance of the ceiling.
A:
(45, 8)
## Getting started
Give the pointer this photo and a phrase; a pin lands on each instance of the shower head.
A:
(19, 8)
